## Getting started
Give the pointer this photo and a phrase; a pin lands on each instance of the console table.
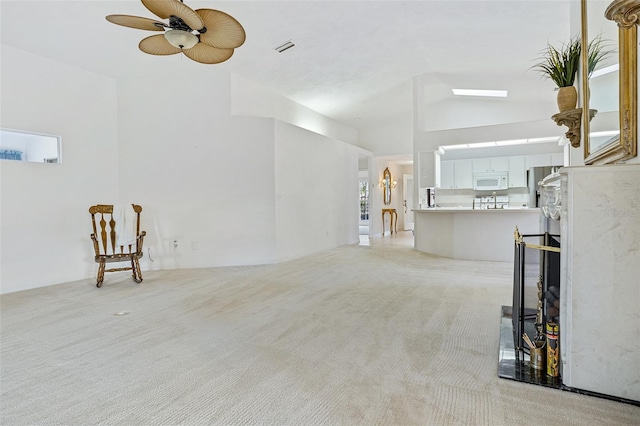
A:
(393, 224)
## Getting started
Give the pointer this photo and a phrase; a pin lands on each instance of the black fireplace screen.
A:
(536, 286)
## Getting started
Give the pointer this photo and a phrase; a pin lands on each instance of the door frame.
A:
(408, 202)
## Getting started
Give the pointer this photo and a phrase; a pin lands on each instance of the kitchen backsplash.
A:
(518, 197)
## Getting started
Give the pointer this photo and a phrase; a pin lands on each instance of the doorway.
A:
(407, 203)
(363, 191)
(364, 198)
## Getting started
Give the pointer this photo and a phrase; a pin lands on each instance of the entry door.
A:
(407, 196)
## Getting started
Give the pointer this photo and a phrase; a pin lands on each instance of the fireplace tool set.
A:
(543, 347)
(538, 357)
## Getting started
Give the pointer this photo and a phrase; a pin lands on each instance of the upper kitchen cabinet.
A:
(517, 172)
(456, 174)
(463, 172)
(496, 164)
(447, 178)
(481, 165)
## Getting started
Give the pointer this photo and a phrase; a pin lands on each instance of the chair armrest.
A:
(140, 241)
(96, 247)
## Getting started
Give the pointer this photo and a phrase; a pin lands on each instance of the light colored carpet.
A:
(351, 336)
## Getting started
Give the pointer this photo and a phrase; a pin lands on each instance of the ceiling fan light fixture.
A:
(181, 39)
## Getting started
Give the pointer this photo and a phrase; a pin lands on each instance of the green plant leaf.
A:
(561, 65)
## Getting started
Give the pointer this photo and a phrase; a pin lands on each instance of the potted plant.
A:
(561, 66)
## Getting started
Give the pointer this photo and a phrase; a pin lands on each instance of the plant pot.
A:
(567, 98)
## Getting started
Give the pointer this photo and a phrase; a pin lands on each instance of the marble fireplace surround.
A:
(600, 280)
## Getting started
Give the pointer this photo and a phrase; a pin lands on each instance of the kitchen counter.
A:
(474, 234)
(469, 209)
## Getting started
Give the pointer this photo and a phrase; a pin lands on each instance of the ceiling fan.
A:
(207, 36)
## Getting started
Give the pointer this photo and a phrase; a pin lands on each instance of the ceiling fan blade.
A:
(158, 45)
(136, 22)
(206, 54)
(166, 8)
(223, 30)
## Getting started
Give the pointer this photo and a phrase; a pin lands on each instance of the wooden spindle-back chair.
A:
(104, 242)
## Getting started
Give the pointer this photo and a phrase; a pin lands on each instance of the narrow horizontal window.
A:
(18, 145)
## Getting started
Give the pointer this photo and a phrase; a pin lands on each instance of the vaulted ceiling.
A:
(353, 60)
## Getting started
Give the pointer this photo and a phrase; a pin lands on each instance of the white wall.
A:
(389, 137)
(204, 178)
(461, 113)
(45, 226)
(317, 200)
(252, 100)
(425, 141)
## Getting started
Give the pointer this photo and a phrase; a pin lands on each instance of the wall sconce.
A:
(383, 183)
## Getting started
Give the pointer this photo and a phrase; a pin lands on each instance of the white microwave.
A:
(491, 181)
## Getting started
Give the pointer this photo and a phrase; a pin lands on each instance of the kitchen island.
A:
(474, 234)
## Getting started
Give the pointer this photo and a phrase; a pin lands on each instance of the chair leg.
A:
(135, 268)
(100, 278)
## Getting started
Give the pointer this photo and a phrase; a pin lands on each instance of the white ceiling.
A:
(353, 60)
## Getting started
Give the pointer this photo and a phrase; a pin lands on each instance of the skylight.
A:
(477, 92)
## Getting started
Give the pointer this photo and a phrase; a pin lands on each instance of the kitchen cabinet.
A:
(456, 174)
(481, 165)
(463, 174)
(538, 160)
(446, 175)
(517, 172)
(500, 164)
(496, 164)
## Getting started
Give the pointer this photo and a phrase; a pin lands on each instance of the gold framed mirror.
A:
(624, 145)
(386, 186)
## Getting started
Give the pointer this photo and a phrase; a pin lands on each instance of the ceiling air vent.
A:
(285, 46)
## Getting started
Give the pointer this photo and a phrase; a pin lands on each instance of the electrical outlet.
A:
(175, 244)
